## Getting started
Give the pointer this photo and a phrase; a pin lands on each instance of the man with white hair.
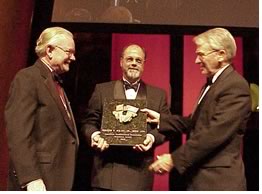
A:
(211, 157)
(41, 131)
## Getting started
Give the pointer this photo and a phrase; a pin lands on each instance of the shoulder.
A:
(154, 88)
(28, 74)
(25, 83)
(236, 80)
(232, 83)
(155, 92)
(104, 85)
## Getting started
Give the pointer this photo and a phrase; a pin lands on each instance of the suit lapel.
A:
(220, 78)
(141, 94)
(119, 91)
(74, 128)
(196, 103)
(50, 84)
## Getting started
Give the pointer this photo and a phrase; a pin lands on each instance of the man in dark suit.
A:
(124, 167)
(211, 157)
(41, 131)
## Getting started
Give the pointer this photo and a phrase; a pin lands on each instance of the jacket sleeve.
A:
(20, 113)
(91, 121)
(171, 125)
(162, 109)
(218, 130)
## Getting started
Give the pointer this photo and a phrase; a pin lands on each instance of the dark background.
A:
(171, 12)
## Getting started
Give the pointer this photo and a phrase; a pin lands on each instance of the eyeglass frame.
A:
(68, 51)
(131, 59)
(201, 55)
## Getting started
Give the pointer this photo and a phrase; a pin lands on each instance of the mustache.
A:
(132, 68)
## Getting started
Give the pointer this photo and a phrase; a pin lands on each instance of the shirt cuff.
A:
(152, 137)
(94, 134)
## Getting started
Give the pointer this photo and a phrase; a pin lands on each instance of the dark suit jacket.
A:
(211, 158)
(42, 141)
(122, 168)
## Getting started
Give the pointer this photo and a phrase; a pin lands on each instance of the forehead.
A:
(134, 50)
(202, 47)
(66, 41)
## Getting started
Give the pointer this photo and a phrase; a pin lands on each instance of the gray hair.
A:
(49, 37)
(218, 39)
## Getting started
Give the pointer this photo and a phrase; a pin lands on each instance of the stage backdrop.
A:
(156, 73)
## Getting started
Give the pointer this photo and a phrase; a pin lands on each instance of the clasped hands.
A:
(100, 143)
(164, 163)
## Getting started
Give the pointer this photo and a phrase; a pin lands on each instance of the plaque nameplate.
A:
(123, 123)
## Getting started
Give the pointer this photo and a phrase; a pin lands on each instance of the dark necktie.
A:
(58, 82)
(130, 86)
(209, 81)
(58, 78)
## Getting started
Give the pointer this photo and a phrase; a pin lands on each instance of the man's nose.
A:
(197, 60)
(72, 57)
(134, 63)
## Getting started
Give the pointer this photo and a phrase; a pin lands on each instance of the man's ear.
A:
(121, 62)
(222, 55)
(48, 51)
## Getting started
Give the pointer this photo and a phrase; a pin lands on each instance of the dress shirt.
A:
(131, 93)
(214, 78)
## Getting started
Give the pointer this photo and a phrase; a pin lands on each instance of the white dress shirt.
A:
(213, 81)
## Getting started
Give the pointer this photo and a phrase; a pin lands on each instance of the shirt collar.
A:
(217, 74)
(48, 66)
(132, 83)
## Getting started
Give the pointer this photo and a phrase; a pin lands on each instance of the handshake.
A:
(164, 162)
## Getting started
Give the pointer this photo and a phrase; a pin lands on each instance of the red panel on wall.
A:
(156, 73)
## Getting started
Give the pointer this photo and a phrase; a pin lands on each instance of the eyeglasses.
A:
(131, 59)
(67, 51)
(201, 55)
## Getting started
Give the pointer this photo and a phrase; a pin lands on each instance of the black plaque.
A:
(126, 132)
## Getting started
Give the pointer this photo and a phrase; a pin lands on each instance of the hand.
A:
(152, 116)
(99, 143)
(163, 164)
(147, 144)
(36, 185)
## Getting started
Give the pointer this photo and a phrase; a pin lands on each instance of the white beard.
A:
(133, 74)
